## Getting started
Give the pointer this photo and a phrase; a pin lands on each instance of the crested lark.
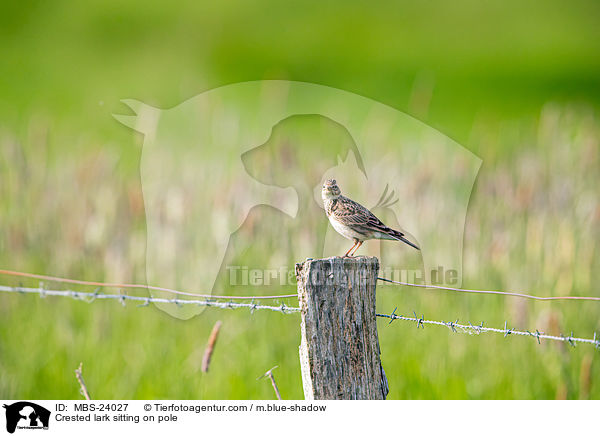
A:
(354, 221)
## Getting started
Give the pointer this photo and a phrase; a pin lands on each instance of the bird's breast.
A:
(346, 231)
(329, 207)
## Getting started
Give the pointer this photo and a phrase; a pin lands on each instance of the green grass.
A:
(516, 84)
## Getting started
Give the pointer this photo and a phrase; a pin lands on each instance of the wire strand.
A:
(477, 329)
(91, 297)
(136, 286)
(479, 291)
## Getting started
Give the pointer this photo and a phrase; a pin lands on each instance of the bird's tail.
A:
(399, 236)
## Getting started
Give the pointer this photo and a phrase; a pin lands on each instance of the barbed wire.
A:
(481, 291)
(454, 326)
(90, 297)
(470, 329)
(139, 286)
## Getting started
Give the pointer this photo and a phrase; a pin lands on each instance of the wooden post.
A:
(339, 349)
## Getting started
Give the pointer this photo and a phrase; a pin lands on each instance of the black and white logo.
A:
(26, 415)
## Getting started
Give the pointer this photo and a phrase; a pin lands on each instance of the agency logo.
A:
(26, 415)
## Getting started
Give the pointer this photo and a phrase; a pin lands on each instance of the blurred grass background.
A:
(517, 84)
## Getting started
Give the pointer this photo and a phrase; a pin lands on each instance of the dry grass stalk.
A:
(210, 346)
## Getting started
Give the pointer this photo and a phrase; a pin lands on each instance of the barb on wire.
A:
(480, 291)
(537, 335)
(471, 329)
(507, 331)
(451, 325)
(393, 313)
(419, 321)
(89, 297)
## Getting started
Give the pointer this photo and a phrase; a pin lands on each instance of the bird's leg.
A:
(357, 246)
(348, 252)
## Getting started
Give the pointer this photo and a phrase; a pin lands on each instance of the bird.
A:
(354, 221)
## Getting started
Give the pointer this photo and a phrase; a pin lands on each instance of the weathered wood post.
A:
(339, 349)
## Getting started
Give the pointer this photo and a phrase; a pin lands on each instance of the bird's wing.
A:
(352, 214)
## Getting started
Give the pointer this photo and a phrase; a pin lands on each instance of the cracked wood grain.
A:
(339, 348)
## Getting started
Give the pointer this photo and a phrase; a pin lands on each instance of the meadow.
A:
(516, 85)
